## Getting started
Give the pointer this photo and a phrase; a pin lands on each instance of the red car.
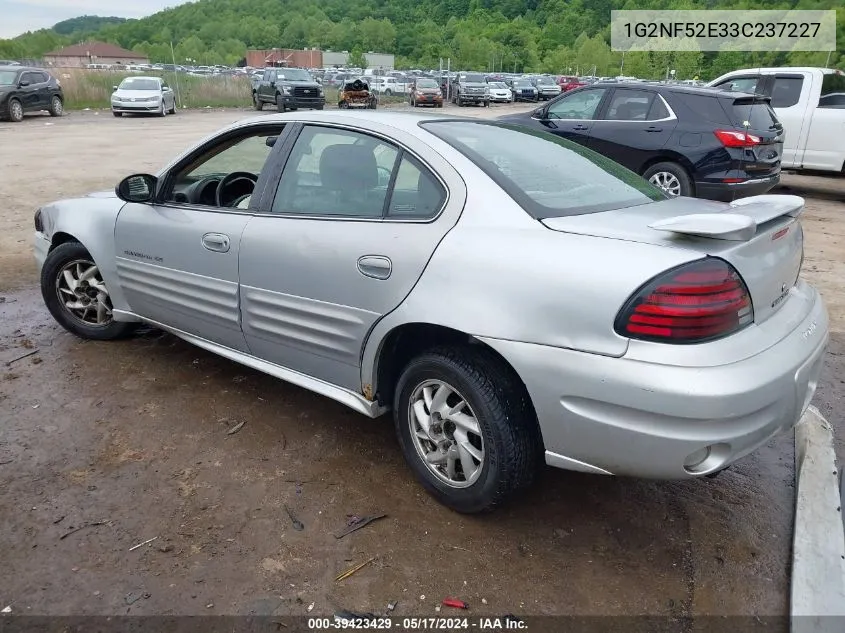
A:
(567, 83)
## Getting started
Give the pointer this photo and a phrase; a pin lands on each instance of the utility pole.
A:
(175, 74)
(622, 66)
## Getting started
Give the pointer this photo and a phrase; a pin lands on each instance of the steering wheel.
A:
(230, 179)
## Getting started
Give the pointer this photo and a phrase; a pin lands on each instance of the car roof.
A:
(782, 69)
(20, 68)
(694, 90)
(407, 121)
(143, 77)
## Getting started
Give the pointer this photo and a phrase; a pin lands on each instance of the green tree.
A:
(357, 59)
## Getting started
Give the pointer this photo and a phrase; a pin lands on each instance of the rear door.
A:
(633, 127)
(266, 88)
(790, 94)
(341, 240)
(825, 148)
(572, 116)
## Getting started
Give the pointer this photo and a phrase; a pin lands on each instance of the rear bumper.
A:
(631, 417)
(727, 192)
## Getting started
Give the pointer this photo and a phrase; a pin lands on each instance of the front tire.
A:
(280, 103)
(162, 111)
(671, 178)
(257, 103)
(57, 108)
(466, 427)
(76, 295)
(118, 114)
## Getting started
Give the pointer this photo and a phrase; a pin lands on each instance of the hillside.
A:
(84, 24)
(514, 35)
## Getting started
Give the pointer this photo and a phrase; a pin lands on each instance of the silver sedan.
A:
(512, 298)
(143, 95)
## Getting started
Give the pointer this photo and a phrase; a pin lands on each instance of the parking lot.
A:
(106, 445)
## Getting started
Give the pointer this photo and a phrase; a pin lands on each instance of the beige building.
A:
(80, 55)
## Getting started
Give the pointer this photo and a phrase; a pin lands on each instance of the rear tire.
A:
(173, 109)
(670, 177)
(64, 259)
(508, 441)
(57, 108)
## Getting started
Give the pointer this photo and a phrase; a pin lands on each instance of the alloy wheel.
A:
(668, 182)
(82, 292)
(16, 110)
(446, 433)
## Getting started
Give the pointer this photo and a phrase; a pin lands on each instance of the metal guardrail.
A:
(817, 602)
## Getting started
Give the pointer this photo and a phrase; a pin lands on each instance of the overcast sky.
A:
(19, 16)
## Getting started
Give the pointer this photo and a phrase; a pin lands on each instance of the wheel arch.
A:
(61, 237)
(671, 157)
(405, 341)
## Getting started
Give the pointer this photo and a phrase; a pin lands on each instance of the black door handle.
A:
(580, 128)
(654, 129)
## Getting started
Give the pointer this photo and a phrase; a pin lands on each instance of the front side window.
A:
(740, 84)
(629, 105)
(198, 181)
(546, 175)
(580, 105)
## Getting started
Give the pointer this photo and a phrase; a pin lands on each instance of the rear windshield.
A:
(547, 175)
(754, 115)
(833, 91)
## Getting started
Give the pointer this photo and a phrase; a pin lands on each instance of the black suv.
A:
(288, 89)
(24, 89)
(689, 141)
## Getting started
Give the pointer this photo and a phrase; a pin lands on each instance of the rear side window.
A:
(658, 110)
(546, 175)
(704, 107)
(833, 91)
(629, 105)
(786, 91)
(753, 114)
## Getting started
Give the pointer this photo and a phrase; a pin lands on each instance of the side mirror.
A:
(137, 188)
(114, 88)
(23, 83)
(539, 114)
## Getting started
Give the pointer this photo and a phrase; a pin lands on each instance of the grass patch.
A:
(93, 88)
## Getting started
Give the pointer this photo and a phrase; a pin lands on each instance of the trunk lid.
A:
(755, 116)
(760, 236)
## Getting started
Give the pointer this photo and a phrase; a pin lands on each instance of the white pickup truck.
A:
(810, 103)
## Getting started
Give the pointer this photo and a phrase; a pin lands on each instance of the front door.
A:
(177, 259)
(352, 224)
(29, 91)
(573, 115)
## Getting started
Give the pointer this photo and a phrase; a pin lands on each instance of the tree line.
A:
(554, 36)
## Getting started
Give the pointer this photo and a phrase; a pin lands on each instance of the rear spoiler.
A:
(738, 223)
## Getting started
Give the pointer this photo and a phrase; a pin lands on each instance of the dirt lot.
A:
(128, 441)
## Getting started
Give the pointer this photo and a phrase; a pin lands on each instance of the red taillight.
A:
(734, 138)
(697, 302)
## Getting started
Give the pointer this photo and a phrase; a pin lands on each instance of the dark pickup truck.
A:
(288, 89)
